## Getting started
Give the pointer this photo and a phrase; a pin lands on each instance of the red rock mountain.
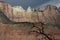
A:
(46, 14)
(49, 14)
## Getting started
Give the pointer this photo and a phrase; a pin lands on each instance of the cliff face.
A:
(49, 14)
(6, 8)
(46, 14)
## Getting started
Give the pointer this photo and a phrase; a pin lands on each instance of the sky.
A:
(32, 3)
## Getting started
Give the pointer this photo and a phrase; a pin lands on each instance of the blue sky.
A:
(32, 3)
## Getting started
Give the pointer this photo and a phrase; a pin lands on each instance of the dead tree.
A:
(40, 30)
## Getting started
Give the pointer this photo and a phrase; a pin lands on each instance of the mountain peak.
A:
(29, 9)
(49, 7)
(19, 8)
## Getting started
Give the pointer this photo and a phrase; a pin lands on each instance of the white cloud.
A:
(58, 4)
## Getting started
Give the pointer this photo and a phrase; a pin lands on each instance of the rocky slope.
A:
(23, 32)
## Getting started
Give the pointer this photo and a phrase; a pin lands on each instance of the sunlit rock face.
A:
(19, 8)
(29, 9)
(18, 13)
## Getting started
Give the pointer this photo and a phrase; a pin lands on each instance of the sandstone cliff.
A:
(49, 14)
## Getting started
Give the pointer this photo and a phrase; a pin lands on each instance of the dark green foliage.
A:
(4, 18)
(53, 25)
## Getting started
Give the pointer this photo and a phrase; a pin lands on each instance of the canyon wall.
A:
(46, 14)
